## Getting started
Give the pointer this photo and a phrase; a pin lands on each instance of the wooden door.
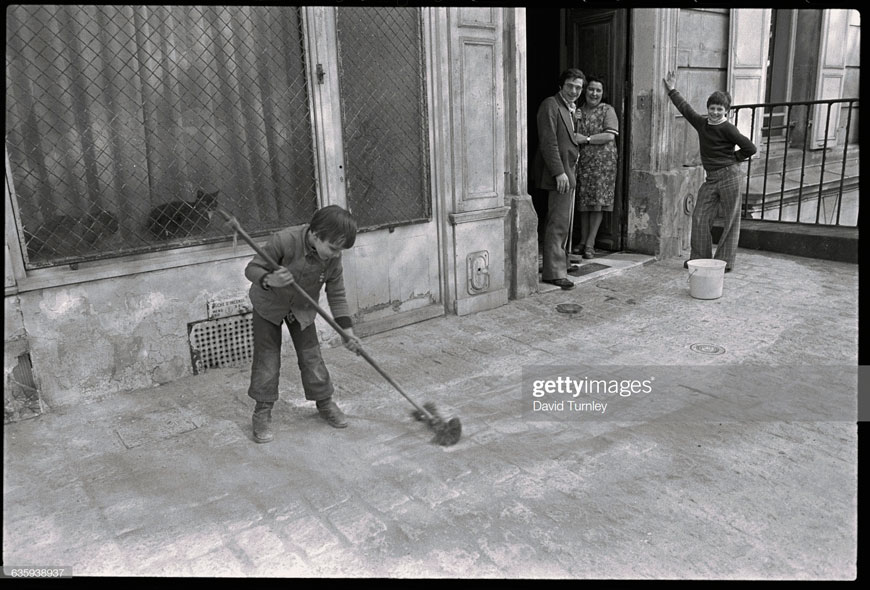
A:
(380, 173)
(748, 45)
(597, 42)
(831, 75)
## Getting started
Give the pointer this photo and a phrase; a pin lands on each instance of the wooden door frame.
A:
(620, 236)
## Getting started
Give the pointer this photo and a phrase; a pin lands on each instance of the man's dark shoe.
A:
(686, 264)
(262, 421)
(563, 283)
(333, 415)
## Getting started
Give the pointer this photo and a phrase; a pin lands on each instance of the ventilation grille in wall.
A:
(221, 343)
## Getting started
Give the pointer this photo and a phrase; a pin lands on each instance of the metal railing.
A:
(804, 171)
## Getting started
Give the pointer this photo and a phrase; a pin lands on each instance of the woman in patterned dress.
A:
(596, 172)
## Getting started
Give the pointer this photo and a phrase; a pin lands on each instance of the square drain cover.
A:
(221, 343)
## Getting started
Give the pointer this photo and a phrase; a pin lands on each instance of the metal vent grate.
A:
(221, 343)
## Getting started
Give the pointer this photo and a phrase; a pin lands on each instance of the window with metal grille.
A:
(122, 122)
(383, 105)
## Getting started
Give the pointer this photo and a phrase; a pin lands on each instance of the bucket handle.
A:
(691, 272)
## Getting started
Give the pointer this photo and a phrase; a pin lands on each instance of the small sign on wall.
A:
(228, 307)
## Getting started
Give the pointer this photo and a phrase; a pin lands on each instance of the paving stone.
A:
(151, 548)
(430, 491)
(383, 496)
(102, 558)
(310, 535)
(345, 563)
(457, 562)
(154, 426)
(515, 558)
(325, 495)
(219, 563)
(71, 495)
(357, 524)
(417, 521)
(260, 544)
(282, 508)
(286, 565)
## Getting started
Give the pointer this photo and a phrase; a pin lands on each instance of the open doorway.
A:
(596, 41)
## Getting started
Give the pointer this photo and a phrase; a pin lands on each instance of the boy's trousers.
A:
(266, 366)
(721, 187)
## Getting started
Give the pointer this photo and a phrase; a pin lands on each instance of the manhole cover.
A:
(568, 308)
(707, 348)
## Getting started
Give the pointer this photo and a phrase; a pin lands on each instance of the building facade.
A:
(126, 126)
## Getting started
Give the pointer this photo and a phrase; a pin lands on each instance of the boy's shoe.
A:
(262, 422)
(333, 415)
(589, 252)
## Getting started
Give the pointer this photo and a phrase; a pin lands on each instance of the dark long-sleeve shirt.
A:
(716, 141)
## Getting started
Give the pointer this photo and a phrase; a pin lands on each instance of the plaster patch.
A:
(638, 222)
(165, 372)
(139, 307)
(127, 352)
(64, 301)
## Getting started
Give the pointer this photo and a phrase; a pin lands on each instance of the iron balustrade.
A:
(792, 127)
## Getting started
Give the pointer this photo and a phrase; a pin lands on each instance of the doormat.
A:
(587, 268)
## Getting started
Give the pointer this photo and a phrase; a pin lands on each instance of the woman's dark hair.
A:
(589, 81)
(570, 74)
(334, 224)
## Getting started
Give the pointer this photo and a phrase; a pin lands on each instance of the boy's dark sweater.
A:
(716, 141)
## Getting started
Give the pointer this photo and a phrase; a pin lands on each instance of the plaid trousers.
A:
(721, 187)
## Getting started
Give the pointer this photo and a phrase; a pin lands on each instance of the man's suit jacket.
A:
(557, 150)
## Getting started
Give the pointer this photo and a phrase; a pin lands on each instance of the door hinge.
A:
(320, 73)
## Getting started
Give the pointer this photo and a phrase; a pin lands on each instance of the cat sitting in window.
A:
(178, 219)
(67, 235)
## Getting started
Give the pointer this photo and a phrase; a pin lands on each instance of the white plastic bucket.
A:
(706, 277)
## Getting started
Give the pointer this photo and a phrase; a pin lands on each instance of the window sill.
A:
(46, 278)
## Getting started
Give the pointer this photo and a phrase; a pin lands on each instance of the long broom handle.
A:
(275, 266)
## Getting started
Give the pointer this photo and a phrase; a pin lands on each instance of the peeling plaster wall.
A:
(14, 338)
(93, 339)
(663, 181)
(521, 248)
(659, 212)
(13, 322)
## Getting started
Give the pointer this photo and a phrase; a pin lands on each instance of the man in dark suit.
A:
(554, 171)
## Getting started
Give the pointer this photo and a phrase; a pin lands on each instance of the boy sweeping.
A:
(717, 138)
(309, 255)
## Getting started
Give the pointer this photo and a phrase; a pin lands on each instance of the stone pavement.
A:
(168, 482)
